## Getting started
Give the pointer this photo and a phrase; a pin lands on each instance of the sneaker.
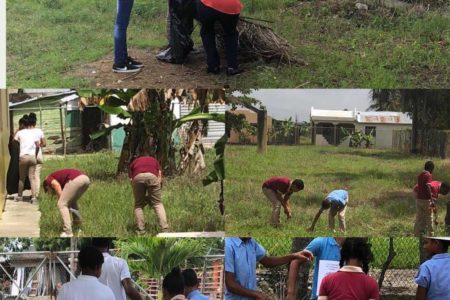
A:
(33, 200)
(134, 63)
(234, 71)
(66, 235)
(125, 69)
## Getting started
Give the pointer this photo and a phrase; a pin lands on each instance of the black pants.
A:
(208, 17)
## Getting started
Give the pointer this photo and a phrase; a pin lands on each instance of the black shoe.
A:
(125, 69)
(234, 71)
(215, 70)
(133, 62)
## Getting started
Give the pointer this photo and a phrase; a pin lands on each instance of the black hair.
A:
(444, 245)
(101, 242)
(445, 185)
(90, 258)
(429, 166)
(25, 121)
(357, 248)
(32, 119)
(190, 278)
(299, 184)
(174, 282)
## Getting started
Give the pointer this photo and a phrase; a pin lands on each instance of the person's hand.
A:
(260, 296)
(304, 256)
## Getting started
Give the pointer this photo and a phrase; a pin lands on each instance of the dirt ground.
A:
(156, 74)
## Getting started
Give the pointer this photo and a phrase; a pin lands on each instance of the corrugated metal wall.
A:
(49, 120)
(215, 129)
(4, 138)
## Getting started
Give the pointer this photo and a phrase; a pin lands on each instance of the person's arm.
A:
(294, 266)
(316, 217)
(131, 292)
(236, 288)
(275, 261)
(56, 187)
(43, 142)
(421, 293)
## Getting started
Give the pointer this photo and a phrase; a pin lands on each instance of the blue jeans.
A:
(124, 8)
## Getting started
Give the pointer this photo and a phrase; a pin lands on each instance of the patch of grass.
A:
(380, 186)
(47, 40)
(107, 206)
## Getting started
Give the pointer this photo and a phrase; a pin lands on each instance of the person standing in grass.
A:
(336, 202)
(327, 254)
(278, 190)
(123, 63)
(146, 180)
(433, 278)
(68, 185)
(351, 282)
(426, 211)
(242, 254)
(115, 273)
(225, 12)
(191, 286)
(87, 286)
(40, 137)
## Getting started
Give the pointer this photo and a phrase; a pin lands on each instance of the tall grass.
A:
(379, 182)
(107, 206)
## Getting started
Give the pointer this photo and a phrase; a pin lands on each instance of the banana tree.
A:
(152, 129)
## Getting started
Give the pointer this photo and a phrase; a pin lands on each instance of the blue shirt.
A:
(434, 275)
(338, 197)
(323, 248)
(196, 295)
(241, 259)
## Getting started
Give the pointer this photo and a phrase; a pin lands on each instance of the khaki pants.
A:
(340, 212)
(27, 167)
(147, 190)
(275, 199)
(73, 190)
(37, 178)
(424, 225)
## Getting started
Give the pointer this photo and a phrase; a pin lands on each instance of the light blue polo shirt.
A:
(196, 295)
(323, 248)
(338, 197)
(241, 259)
(434, 275)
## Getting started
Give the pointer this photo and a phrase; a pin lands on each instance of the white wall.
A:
(384, 133)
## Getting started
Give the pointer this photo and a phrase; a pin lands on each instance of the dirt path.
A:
(156, 74)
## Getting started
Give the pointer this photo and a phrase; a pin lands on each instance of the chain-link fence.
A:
(398, 280)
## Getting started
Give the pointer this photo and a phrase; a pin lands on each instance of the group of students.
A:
(341, 267)
(106, 277)
(207, 12)
(278, 191)
(146, 180)
(25, 149)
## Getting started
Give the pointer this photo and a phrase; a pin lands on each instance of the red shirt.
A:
(63, 176)
(144, 164)
(435, 187)
(280, 184)
(230, 7)
(347, 285)
(422, 179)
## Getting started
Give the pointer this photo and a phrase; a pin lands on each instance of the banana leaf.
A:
(218, 174)
(105, 131)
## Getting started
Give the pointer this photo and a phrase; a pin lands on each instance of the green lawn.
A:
(380, 185)
(49, 39)
(107, 206)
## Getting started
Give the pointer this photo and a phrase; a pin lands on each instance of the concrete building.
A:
(327, 126)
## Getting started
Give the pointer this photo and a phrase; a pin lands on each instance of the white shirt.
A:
(27, 140)
(114, 270)
(85, 288)
(39, 135)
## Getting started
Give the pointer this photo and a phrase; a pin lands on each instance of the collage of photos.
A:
(225, 150)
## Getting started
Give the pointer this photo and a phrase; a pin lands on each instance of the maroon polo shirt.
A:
(144, 164)
(63, 176)
(280, 184)
(423, 179)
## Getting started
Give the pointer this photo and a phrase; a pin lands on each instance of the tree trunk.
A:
(262, 131)
(387, 263)
(299, 244)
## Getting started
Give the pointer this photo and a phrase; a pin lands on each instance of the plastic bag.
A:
(181, 25)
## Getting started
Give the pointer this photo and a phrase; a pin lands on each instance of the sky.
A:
(285, 103)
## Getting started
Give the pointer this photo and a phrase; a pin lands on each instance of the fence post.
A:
(387, 263)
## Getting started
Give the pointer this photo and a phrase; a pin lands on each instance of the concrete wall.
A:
(251, 118)
(4, 139)
(384, 133)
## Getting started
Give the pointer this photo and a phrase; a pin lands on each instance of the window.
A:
(371, 130)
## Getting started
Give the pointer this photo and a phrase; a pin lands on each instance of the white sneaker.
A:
(66, 235)
(33, 200)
